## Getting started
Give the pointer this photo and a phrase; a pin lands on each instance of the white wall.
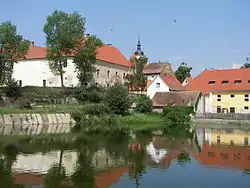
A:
(33, 72)
(152, 89)
(208, 103)
(200, 105)
(152, 76)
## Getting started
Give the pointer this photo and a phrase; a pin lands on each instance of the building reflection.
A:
(227, 148)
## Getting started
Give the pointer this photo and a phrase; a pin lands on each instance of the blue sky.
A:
(207, 33)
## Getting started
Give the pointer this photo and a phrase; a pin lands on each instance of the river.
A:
(211, 158)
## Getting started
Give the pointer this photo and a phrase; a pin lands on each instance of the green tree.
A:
(143, 104)
(246, 65)
(63, 33)
(183, 72)
(12, 48)
(85, 59)
(117, 99)
(137, 80)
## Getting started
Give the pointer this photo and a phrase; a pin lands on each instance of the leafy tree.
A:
(12, 90)
(12, 48)
(137, 80)
(246, 65)
(143, 104)
(117, 99)
(183, 72)
(63, 34)
(85, 59)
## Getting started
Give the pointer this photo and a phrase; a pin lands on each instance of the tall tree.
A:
(63, 33)
(12, 48)
(137, 80)
(183, 72)
(85, 59)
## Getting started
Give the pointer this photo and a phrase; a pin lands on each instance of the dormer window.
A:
(158, 85)
(211, 82)
(237, 81)
(225, 82)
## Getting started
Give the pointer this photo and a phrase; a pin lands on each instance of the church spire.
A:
(138, 53)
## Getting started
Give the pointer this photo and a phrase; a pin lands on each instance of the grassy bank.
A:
(42, 109)
(143, 121)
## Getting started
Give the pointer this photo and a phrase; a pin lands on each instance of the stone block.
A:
(17, 124)
(40, 124)
(45, 119)
(1, 124)
(7, 119)
(59, 128)
(55, 124)
(34, 123)
(7, 129)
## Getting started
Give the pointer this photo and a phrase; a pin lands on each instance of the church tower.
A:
(138, 53)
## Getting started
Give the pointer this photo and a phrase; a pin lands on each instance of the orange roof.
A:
(107, 53)
(220, 80)
(172, 82)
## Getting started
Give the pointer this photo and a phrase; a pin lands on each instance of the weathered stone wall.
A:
(33, 124)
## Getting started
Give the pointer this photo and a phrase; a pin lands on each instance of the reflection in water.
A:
(121, 161)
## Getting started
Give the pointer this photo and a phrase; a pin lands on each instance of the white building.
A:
(163, 83)
(34, 70)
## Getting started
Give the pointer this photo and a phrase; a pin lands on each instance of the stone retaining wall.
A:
(33, 124)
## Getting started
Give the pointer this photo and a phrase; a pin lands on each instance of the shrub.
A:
(92, 95)
(117, 99)
(143, 104)
(95, 109)
(12, 90)
(177, 117)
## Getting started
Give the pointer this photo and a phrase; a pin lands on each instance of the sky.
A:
(207, 33)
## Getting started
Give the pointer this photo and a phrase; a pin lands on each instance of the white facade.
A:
(158, 85)
(36, 72)
(200, 105)
(208, 103)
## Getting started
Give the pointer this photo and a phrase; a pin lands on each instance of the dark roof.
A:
(176, 98)
(157, 68)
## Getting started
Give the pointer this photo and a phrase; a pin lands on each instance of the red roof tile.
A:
(224, 80)
(105, 53)
(172, 82)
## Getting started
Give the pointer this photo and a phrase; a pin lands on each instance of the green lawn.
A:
(42, 109)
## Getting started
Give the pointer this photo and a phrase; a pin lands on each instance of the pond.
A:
(211, 158)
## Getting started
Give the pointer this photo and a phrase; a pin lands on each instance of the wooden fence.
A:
(229, 116)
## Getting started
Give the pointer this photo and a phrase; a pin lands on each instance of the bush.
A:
(12, 90)
(95, 109)
(177, 117)
(91, 95)
(143, 104)
(117, 99)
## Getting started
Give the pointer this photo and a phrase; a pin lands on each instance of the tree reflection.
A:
(84, 173)
(183, 158)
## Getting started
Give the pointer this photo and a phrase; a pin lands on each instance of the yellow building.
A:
(230, 101)
(228, 137)
(224, 90)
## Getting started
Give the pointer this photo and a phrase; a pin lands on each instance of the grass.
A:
(144, 121)
(65, 108)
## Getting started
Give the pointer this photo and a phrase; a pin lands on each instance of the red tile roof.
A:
(105, 53)
(172, 82)
(224, 80)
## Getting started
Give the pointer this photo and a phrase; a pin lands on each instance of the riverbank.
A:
(221, 122)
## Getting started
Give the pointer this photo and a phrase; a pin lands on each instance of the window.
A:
(225, 82)
(219, 96)
(232, 110)
(249, 81)
(124, 75)
(246, 95)
(107, 85)
(246, 107)
(232, 95)
(218, 109)
(97, 72)
(218, 139)
(158, 85)
(224, 155)
(219, 99)
(108, 73)
(20, 83)
(237, 81)
(237, 156)
(65, 78)
(246, 99)
(210, 154)
(231, 142)
(211, 82)
(246, 141)
(44, 83)
(116, 74)
(96, 84)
